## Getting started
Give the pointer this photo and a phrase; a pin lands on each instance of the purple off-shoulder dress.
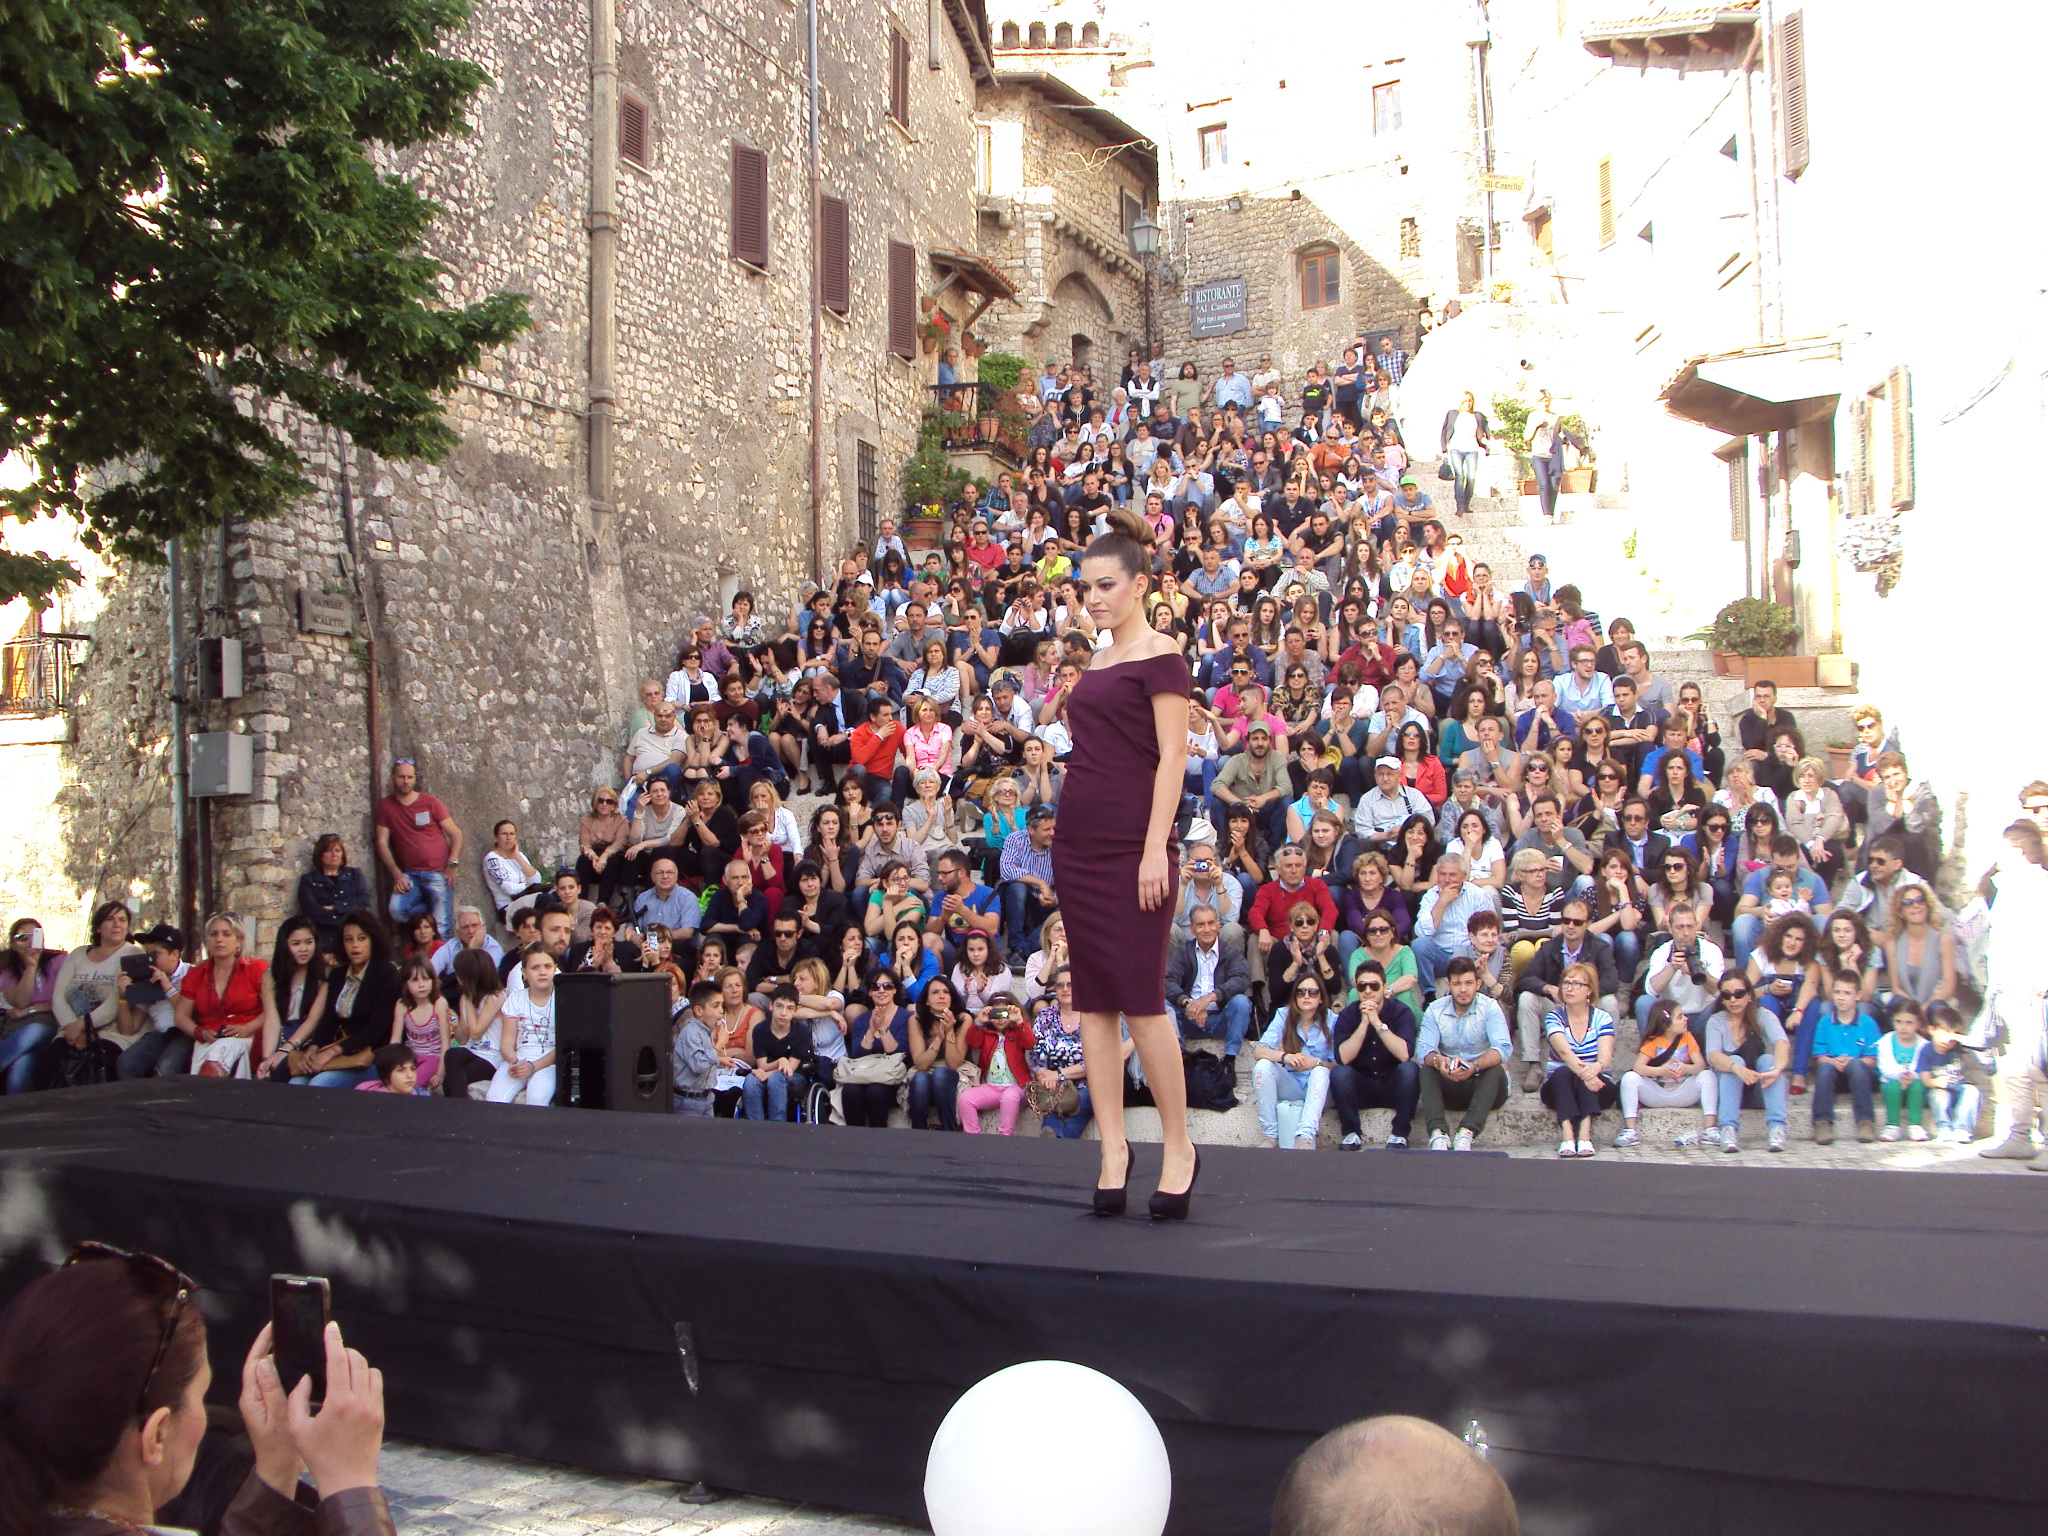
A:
(1116, 952)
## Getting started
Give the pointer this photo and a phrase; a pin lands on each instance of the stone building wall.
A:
(1264, 242)
(1054, 227)
(511, 621)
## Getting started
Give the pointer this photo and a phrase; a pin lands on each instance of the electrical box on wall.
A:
(223, 763)
(220, 667)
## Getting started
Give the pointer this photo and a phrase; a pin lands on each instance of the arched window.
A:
(1012, 38)
(1319, 276)
(1091, 35)
(1063, 35)
(1038, 34)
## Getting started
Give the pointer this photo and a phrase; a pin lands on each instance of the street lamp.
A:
(1145, 246)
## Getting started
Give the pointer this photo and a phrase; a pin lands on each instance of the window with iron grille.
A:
(867, 489)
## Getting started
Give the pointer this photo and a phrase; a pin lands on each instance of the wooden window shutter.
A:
(1792, 91)
(633, 130)
(902, 299)
(835, 276)
(750, 205)
(1738, 493)
(1856, 473)
(899, 77)
(1898, 391)
(1606, 190)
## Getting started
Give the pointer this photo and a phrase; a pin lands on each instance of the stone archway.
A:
(1079, 312)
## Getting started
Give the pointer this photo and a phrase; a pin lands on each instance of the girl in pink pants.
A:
(997, 1043)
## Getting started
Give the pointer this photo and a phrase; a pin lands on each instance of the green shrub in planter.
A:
(1751, 626)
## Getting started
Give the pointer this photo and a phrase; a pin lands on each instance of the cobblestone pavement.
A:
(439, 1492)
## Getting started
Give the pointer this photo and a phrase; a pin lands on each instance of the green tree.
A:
(191, 229)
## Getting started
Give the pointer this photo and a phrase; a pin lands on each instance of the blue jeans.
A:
(1628, 952)
(1743, 934)
(766, 1100)
(1229, 1023)
(1274, 1082)
(1802, 1037)
(429, 893)
(345, 1077)
(1430, 960)
(1022, 918)
(1070, 1127)
(1549, 473)
(1201, 773)
(1862, 1079)
(937, 1089)
(157, 1054)
(1732, 1087)
(19, 1053)
(1464, 475)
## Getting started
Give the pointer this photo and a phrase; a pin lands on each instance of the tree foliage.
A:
(192, 228)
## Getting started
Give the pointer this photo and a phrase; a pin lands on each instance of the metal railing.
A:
(37, 673)
(981, 416)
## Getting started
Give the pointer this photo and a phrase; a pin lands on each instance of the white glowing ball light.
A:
(1110, 1466)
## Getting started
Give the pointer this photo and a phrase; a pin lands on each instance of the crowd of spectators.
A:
(1445, 839)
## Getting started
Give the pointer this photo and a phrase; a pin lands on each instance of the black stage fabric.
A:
(1714, 1351)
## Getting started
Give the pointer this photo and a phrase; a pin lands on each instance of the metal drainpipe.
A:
(373, 724)
(603, 225)
(181, 770)
(817, 306)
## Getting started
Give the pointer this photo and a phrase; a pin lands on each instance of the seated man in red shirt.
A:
(1270, 923)
(874, 746)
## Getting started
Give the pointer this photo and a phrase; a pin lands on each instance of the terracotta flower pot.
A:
(1785, 671)
(1725, 663)
(1839, 761)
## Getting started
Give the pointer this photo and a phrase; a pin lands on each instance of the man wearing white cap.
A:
(1389, 802)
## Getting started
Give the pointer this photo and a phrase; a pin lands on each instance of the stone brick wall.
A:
(511, 623)
(1264, 242)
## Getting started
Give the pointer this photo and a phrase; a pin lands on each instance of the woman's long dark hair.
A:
(75, 1351)
(373, 928)
(284, 970)
(476, 977)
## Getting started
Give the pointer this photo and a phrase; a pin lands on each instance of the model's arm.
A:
(1170, 724)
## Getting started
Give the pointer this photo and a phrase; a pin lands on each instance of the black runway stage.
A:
(1688, 1352)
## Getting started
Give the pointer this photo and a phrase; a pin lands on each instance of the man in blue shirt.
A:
(1844, 1047)
(1461, 1047)
(1585, 691)
(960, 905)
(1232, 385)
(668, 903)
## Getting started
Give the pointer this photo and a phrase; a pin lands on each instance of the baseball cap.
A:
(1259, 730)
(1408, 480)
(1388, 762)
(865, 579)
(163, 936)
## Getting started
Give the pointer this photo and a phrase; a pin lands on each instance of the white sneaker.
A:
(1353, 1141)
(1628, 1136)
(1439, 1142)
(1587, 1149)
(1916, 1133)
(1891, 1133)
(1708, 1137)
(1462, 1142)
(1567, 1148)
(1397, 1143)
(1774, 1139)
(1730, 1141)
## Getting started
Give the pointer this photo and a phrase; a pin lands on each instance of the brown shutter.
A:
(835, 277)
(899, 77)
(1856, 473)
(902, 299)
(1606, 191)
(1792, 91)
(1898, 391)
(750, 205)
(633, 130)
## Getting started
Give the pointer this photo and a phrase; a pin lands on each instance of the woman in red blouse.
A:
(220, 1001)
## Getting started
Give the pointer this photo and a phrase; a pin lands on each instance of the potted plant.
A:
(1761, 633)
(1585, 478)
(1510, 426)
(1840, 754)
(929, 479)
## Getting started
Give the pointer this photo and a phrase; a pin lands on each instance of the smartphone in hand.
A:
(298, 1330)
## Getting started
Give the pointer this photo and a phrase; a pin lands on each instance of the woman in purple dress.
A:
(1114, 860)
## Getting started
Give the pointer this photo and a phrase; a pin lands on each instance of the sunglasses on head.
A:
(175, 1284)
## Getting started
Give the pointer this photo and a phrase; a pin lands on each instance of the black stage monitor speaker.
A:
(612, 1036)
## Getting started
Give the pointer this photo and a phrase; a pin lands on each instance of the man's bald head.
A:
(1392, 1476)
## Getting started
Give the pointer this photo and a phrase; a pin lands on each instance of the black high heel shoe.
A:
(1111, 1202)
(1167, 1207)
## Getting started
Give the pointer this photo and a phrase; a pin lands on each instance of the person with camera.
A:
(103, 1384)
(1685, 971)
